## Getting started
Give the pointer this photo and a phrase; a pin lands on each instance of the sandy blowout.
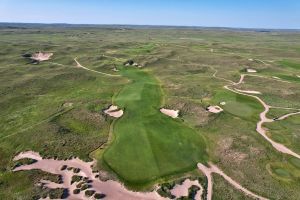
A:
(112, 189)
(40, 56)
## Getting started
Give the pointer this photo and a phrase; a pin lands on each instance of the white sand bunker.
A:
(248, 91)
(251, 70)
(108, 189)
(183, 189)
(214, 109)
(40, 56)
(114, 111)
(171, 113)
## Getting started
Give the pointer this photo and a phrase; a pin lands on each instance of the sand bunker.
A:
(171, 113)
(251, 71)
(248, 91)
(214, 109)
(40, 56)
(111, 189)
(183, 189)
(114, 111)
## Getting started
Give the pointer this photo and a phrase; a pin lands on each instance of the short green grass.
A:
(149, 145)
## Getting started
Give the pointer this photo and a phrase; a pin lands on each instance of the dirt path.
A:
(208, 171)
(288, 115)
(79, 65)
(264, 119)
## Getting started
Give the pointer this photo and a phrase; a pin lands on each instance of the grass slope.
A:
(148, 144)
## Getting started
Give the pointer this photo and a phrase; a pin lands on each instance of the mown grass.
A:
(149, 145)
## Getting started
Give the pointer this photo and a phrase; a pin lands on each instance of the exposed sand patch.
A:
(114, 111)
(171, 113)
(183, 189)
(248, 91)
(251, 71)
(214, 109)
(298, 76)
(222, 103)
(40, 56)
(112, 189)
(250, 59)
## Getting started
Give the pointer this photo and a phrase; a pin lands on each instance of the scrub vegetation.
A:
(56, 108)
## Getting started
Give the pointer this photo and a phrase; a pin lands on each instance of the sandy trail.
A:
(112, 189)
(248, 91)
(263, 119)
(106, 74)
(288, 115)
(214, 169)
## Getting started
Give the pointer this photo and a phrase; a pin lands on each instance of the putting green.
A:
(147, 144)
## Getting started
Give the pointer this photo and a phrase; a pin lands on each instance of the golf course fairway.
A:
(147, 144)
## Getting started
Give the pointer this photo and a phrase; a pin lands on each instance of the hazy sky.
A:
(224, 13)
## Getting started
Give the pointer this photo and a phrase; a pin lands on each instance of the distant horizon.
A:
(259, 14)
(150, 25)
